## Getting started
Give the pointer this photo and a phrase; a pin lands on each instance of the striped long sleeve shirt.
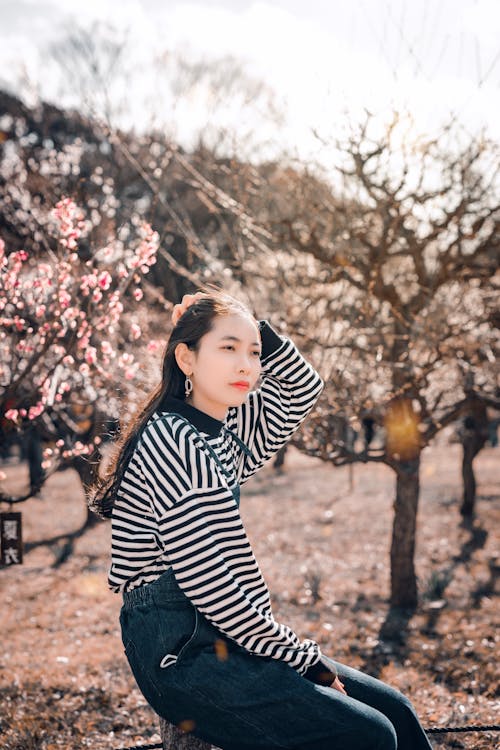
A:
(174, 507)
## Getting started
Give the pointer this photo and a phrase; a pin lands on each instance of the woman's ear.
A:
(184, 358)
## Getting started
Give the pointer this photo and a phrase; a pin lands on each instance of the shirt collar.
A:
(203, 422)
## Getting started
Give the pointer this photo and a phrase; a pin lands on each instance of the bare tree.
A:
(390, 276)
(100, 73)
(94, 67)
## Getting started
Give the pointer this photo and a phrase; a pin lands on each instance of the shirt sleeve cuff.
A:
(320, 673)
(271, 340)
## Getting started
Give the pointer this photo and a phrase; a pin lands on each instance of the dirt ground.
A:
(322, 541)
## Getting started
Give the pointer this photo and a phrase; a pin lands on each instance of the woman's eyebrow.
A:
(235, 338)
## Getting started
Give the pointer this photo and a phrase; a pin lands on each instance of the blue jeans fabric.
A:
(194, 676)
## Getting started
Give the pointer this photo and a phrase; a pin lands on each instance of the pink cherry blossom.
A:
(69, 311)
(91, 355)
(70, 222)
(154, 345)
(35, 411)
(131, 372)
(104, 280)
(64, 298)
(135, 331)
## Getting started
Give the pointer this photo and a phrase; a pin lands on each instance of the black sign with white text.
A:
(11, 538)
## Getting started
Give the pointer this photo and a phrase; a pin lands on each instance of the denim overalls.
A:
(195, 677)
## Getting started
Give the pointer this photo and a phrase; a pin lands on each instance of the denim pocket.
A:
(146, 685)
(156, 636)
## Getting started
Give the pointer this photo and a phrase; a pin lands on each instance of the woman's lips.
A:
(241, 386)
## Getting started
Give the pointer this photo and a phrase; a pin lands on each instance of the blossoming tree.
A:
(69, 331)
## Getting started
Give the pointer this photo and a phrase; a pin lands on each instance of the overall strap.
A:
(240, 442)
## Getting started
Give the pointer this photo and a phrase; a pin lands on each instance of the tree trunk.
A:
(469, 481)
(33, 448)
(403, 579)
(175, 739)
(280, 458)
(474, 433)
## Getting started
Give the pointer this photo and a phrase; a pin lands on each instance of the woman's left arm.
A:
(271, 414)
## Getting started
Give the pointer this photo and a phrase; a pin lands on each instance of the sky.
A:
(322, 63)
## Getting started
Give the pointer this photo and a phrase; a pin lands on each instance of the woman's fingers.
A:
(337, 685)
(187, 300)
(176, 313)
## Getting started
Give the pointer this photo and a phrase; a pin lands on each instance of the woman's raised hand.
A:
(187, 300)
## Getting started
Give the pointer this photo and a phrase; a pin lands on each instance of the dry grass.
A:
(323, 549)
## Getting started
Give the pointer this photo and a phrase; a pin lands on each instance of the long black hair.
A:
(196, 321)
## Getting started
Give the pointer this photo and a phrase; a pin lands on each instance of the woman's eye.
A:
(231, 347)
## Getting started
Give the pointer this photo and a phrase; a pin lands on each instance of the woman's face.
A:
(228, 354)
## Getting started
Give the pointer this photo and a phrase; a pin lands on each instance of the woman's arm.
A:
(205, 542)
(271, 414)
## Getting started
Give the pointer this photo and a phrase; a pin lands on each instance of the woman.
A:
(196, 620)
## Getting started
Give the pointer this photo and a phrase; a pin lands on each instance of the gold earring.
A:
(188, 386)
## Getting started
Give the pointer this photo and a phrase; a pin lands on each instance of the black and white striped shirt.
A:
(175, 508)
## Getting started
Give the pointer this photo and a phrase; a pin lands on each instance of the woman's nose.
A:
(245, 364)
